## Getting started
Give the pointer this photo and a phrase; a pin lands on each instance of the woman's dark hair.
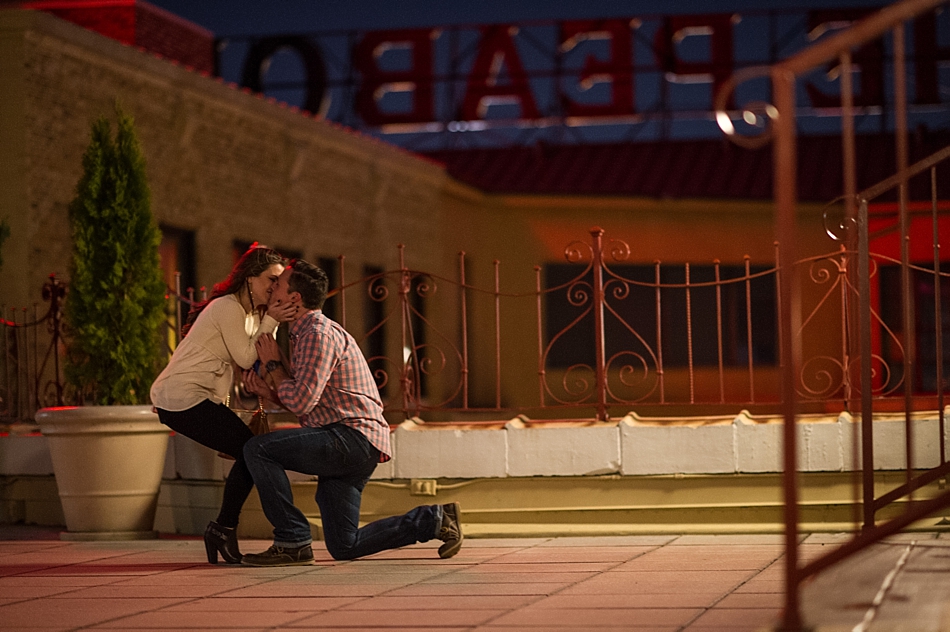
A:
(252, 263)
(310, 281)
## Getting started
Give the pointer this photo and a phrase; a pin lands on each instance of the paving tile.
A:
(166, 620)
(19, 593)
(596, 617)
(264, 604)
(541, 567)
(444, 602)
(614, 554)
(656, 582)
(630, 600)
(435, 590)
(361, 628)
(313, 590)
(73, 612)
(739, 627)
(472, 576)
(756, 585)
(731, 618)
(436, 620)
(136, 592)
(98, 569)
(53, 580)
(753, 600)
(575, 627)
(618, 540)
(741, 539)
(265, 628)
(517, 543)
(687, 559)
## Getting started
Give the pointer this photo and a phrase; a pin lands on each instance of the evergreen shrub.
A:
(116, 294)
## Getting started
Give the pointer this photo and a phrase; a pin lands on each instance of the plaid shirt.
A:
(332, 382)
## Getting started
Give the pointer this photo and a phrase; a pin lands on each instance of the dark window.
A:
(925, 325)
(177, 254)
(631, 313)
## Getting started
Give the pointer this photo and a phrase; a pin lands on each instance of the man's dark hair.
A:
(310, 281)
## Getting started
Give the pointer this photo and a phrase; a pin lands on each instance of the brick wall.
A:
(138, 24)
(223, 163)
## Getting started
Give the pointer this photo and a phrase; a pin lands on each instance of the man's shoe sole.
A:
(247, 562)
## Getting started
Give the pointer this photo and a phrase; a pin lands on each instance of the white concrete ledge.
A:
(634, 446)
(450, 452)
(582, 449)
(651, 447)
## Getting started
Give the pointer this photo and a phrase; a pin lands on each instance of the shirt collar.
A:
(302, 323)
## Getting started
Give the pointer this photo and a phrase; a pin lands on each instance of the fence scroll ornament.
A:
(592, 291)
(824, 376)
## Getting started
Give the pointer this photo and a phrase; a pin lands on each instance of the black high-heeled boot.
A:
(221, 540)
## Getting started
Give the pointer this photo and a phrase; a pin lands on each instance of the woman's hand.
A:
(283, 312)
(255, 385)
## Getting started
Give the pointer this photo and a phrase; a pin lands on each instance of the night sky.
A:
(233, 17)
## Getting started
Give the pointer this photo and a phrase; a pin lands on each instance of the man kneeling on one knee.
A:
(343, 436)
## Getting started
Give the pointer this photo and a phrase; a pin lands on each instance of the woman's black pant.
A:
(218, 427)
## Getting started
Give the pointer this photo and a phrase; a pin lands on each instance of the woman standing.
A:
(191, 394)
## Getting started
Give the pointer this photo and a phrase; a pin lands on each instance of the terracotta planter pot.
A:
(108, 462)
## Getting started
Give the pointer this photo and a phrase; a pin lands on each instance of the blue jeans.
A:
(343, 460)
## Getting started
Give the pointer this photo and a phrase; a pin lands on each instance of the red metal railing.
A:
(888, 24)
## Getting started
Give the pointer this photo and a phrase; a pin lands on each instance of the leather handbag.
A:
(257, 423)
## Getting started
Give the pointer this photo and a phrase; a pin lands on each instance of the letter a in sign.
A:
(495, 50)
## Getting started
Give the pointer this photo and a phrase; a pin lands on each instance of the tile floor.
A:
(649, 583)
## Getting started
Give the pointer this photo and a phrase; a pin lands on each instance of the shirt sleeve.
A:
(315, 358)
(240, 346)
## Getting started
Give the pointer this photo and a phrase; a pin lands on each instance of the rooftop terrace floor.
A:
(652, 583)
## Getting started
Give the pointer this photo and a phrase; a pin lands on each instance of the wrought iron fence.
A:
(30, 374)
(598, 335)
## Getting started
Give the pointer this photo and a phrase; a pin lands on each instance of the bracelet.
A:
(272, 365)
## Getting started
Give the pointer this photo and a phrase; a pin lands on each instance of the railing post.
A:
(178, 308)
(600, 369)
(900, 132)
(406, 333)
(657, 280)
(497, 265)
(541, 370)
(342, 260)
(938, 313)
(867, 392)
(56, 291)
(785, 167)
(463, 306)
